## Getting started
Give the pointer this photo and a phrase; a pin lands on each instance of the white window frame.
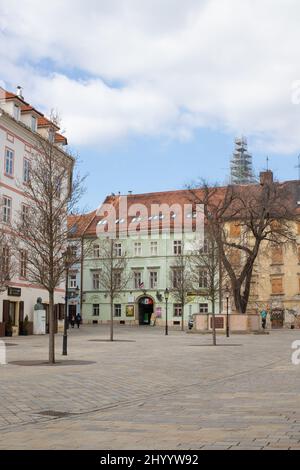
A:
(154, 248)
(6, 209)
(9, 162)
(26, 170)
(73, 281)
(177, 247)
(153, 279)
(117, 310)
(96, 280)
(137, 249)
(96, 310)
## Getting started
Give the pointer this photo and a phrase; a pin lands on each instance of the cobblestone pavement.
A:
(148, 391)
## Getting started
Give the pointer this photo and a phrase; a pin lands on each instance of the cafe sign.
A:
(14, 291)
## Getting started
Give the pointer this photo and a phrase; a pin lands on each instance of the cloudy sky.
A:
(152, 92)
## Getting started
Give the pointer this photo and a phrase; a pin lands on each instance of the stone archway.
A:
(145, 309)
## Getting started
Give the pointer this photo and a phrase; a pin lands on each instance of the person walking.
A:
(263, 315)
(72, 321)
(78, 320)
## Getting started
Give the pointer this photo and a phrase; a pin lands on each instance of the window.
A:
(96, 251)
(137, 277)
(96, 281)
(277, 255)
(177, 310)
(117, 278)
(117, 310)
(118, 249)
(6, 259)
(137, 249)
(24, 213)
(16, 112)
(51, 134)
(177, 276)
(203, 279)
(206, 247)
(6, 210)
(153, 279)
(177, 247)
(26, 170)
(277, 285)
(9, 162)
(96, 310)
(33, 123)
(203, 308)
(73, 281)
(74, 252)
(235, 229)
(23, 263)
(154, 249)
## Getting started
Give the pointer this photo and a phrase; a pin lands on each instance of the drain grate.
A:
(56, 414)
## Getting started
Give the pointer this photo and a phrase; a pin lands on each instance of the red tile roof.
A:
(60, 139)
(29, 109)
(44, 122)
(179, 197)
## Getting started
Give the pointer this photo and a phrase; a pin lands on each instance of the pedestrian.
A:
(72, 321)
(263, 315)
(78, 320)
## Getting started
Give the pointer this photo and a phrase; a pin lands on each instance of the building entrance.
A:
(145, 310)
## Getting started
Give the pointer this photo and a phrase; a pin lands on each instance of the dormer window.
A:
(33, 123)
(17, 112)
(51, 136)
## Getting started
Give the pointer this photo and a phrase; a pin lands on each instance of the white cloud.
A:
(226, 64)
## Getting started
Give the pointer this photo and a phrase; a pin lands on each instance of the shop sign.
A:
(14, 291)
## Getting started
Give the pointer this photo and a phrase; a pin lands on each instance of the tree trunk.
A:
(51, 329)
(182, 318)
(214, 323)
(111, 320)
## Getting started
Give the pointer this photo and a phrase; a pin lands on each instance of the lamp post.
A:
(67, 257)
(166, 299)
(227, 311)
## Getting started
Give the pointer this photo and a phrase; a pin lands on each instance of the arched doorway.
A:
(146, 306)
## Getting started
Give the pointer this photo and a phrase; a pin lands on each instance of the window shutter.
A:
(277, 287)
(277, 255)
(235, 229)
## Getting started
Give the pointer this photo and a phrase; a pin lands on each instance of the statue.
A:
(39, 305)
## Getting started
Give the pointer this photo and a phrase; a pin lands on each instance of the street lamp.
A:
(67, 257)
(167, 293)
(227, 293)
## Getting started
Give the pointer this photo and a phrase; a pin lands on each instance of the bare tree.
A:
(113, 275)
(181, 280)
(51, 193)
(205, 270)
(258, 214)
(7, 266)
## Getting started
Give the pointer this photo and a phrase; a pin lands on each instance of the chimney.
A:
(266, 177)
(19, 92)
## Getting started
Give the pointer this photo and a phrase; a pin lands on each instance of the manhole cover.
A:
(55, 414)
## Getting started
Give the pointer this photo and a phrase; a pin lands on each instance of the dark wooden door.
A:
(277, 318)
(21, 316)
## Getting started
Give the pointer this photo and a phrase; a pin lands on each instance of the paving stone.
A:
(152, 393)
